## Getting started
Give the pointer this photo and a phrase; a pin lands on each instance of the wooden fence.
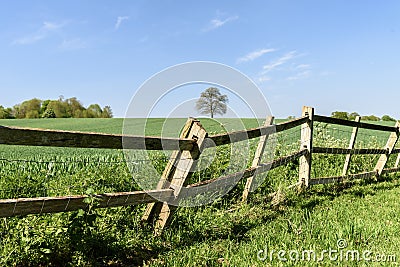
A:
(186, 150)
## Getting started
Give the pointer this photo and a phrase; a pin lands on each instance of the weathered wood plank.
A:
(257, 159)
(25, 206)
(228, 138)
(153, 209)
(261, 168)
(390, 170)
(183, 171)
(391, 143)
(354, 151)
(306, 143)
(351, 146)
(364, 125)
(42, 137)
(287, 125)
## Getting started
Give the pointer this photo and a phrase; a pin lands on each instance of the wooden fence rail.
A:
(363, 125)
(349, 151)
(57, 138)
(186, 150)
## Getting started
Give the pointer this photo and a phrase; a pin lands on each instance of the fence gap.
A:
(257, 159)
(351, 146)
(306, 143)
(391, 143)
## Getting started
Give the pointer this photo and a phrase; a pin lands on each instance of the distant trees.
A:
(353, 115)
(340, 115)
(370, 118)
(387, 118)
(346, 116)
(107, 112)
(5, 113)
(212, 102)
(61, 108)
(49, 113)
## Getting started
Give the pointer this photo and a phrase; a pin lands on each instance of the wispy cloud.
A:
(40, 34)
(50, 26)
(218, 22)
(280, 61)
(302, 71)
(303, 66)
(300, 75)
(120, 19)
(263, 78)
(255, 54)
(294, 71)
(72, 44)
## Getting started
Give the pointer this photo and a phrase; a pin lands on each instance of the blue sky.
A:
(333, 55)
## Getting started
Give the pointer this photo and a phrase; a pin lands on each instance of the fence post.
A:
(351, 146)
(257, 159)
(306, 143)
(167, 175)
(391, 143)
(178, 170)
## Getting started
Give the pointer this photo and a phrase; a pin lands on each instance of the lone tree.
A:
(212, 102)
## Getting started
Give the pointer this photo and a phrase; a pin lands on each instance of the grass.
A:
(224, 233)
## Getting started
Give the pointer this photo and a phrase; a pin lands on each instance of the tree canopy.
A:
(212, 102)
(346, 116)
(60, 108)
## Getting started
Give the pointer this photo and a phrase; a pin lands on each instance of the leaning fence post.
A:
(306, 143)
(178, 170)
(257, 159)
(391, 143)
(153, 208)
(351, 146)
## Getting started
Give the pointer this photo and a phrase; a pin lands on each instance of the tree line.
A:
(60, 108)
(351, 116)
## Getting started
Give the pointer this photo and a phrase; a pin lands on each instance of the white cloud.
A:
(119, 21)
(49, 26)
(303, 66)
(216, 23)
(255, 54)
(280, 61)
(72, 44)
(263, 78)
(30, 39)
(40, 34)
(300, 75)
(296, 70)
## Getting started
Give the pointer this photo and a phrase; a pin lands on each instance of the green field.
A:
(153, 126)
(225, 233)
